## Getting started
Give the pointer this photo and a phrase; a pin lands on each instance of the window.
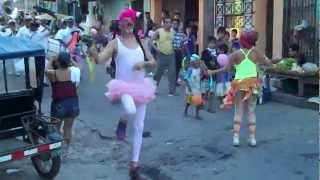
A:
(296, 11)
(12, 75)
(234, 13)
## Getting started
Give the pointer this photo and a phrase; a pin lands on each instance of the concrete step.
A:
(292, 100)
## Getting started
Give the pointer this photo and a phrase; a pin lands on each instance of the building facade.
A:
(275, 21)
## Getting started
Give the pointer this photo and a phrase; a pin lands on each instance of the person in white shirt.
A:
(44, 30)
(65, 35)
(24, 31)
(4, 30)
(10, 31)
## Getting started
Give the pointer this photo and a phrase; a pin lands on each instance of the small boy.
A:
(234, 40)
(192, 77)
(209, 57)
(295, 53)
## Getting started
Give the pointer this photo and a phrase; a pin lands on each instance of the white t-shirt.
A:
(75, 75)
(64, 35)
(23, 32)
(40, 37)
(194, 81)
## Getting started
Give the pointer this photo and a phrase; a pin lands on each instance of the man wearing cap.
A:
(65, 35)
(24, 31)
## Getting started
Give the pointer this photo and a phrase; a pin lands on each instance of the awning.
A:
(13, 47)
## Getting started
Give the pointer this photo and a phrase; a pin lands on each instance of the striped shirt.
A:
(178, 39)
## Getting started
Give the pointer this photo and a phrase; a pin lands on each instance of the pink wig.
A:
(128, 13)
(248, 39)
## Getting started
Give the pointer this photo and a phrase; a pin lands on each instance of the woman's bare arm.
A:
(106, 53)
(226, 68)
(154, 38)
(50, 71)
(151, 61)
(261, 58)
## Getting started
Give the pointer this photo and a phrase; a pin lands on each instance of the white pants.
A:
(137, 116)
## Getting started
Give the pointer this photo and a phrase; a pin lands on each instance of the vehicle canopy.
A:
(12, 47)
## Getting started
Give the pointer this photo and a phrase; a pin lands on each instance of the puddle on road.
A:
(267, 141)
(219, 153)
(310, 156)
(155, 173)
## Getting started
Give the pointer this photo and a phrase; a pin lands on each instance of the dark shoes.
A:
(135, 174)
(121, 130)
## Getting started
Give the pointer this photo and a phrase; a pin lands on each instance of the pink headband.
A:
(128, 13)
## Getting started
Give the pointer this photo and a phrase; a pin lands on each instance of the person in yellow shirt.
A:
(166, 59)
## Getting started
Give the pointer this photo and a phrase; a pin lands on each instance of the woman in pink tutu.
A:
(130, 86)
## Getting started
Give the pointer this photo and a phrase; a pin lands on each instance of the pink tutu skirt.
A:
(141, 92)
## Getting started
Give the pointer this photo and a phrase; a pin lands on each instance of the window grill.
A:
(234, 13)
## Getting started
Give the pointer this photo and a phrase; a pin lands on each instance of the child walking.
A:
(224, 78)
(193, 90)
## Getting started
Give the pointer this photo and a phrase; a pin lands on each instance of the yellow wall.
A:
(155, 10)
(277, 28)
(260, 19)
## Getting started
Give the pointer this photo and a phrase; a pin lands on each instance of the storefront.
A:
(208, 15)
(301, 15)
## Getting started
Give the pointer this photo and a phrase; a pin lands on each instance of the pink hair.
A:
(248, 39)
(128, 13)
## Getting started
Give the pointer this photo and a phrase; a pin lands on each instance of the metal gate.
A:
(295, 11)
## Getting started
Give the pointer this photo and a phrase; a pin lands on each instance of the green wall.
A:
(111, 8)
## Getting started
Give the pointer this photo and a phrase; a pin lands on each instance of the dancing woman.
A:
(244, 88)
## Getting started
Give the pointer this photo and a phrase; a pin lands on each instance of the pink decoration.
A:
(223, 60)
(128, 13)
(142, 92)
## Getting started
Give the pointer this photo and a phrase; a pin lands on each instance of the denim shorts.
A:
(67, 108)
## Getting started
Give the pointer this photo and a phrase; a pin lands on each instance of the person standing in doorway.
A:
(190, 42)
(178, 41)
(149, 22)
(234, 40)
(166, 58)
(221, 36)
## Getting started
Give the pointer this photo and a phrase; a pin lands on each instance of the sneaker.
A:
(252, 142)
(236, 141)
(121, 130)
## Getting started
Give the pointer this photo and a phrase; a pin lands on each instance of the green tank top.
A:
(247, 68)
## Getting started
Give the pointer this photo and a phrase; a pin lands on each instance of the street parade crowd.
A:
(137, 58)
